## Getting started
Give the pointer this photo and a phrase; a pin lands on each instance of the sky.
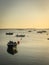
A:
(24, 14)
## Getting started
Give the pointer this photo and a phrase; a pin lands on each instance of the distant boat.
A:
(41, 31)
(9, 33)
(47, 34)
(44, 31)
(29, 31)
(20, 35)
(47, 38)
(34, 30)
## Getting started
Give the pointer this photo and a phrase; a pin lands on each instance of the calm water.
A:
(32, 50)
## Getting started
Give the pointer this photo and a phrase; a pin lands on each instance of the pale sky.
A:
(24, 13)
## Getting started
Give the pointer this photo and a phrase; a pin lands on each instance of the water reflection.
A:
(12, 51)
(12, 47)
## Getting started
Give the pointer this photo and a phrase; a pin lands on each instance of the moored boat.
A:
(47, 38)
(12, 44)
(12, 47)
(41, 31)
(9, 33)
(20, 35)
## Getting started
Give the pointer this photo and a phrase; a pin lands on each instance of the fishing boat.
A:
(20, 35)
(11, 44)
(41, 31)
(29, 31)
(47, 38)
(12, 47)
(9, 33)
(44, 31)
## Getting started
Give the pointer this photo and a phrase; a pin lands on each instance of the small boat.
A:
(9, 33)
(20, 35)
(47, 34)
(12, 47)
(29, 31)
(34, 30)
(47, 38)
(41, 31)
(11, 44)
(44, 31)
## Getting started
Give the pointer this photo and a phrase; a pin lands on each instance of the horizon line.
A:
(22, 28)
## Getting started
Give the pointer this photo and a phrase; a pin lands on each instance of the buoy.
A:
(18, 42)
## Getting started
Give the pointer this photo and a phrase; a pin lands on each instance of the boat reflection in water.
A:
(12, 47)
